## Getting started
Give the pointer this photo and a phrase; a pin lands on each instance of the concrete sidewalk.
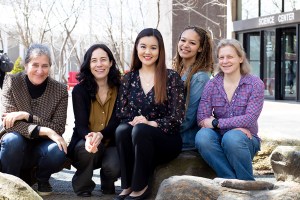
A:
(280, 120)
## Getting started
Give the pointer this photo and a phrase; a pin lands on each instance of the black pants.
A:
(106, 158)
(141, 148)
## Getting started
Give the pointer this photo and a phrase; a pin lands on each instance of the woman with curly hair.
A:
(194, 62)
(93, 144)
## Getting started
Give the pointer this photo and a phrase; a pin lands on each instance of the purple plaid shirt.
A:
(244, 108)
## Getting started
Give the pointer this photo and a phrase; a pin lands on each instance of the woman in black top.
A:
(93, 144)
(151, 109)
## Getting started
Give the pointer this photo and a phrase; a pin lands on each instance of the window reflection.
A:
(270, 7)
(269, 62)
(288, 62)
(254, 53)
(247, 9)
(291, 5)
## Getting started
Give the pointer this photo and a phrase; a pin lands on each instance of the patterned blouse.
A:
(133, 102)
(243, 110)
(48, 110)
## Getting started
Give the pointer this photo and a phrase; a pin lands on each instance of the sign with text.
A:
(267, 21)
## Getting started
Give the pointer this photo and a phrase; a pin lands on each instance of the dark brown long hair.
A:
(160, 75)
(204, 59)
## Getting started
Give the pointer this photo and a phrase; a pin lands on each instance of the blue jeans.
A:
(229, 155)
(18, 152)
(188, 138)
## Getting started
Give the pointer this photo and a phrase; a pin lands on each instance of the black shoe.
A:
(141, 197)
(44, 188)
(84, 194)
(121, 197)
(108, 188)
(108, 191)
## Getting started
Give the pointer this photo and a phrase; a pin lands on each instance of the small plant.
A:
(18, 67)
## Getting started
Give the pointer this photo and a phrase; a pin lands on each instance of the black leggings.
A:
(141, 148)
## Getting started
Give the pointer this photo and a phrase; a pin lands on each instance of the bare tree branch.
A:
(158, 13)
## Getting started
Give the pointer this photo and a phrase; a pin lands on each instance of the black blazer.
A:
(81, 107)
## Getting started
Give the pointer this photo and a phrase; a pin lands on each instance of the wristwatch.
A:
(215, 123)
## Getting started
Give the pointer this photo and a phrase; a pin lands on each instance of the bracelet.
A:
(30, 118)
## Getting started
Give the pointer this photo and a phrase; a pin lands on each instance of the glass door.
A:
(269, 63)
(288, 63)
(253, 51)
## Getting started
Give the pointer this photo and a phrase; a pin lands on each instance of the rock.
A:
(191, 187)
(244, 185)
(188, 188)
(261, 161)
(187, 163)
(12, 187)
(285, 161)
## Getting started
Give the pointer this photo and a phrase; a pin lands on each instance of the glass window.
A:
(240, 37)
(270, 7)
(291, 5)
(253, 51)
(288, 62)
(269, 62)
(247, 9)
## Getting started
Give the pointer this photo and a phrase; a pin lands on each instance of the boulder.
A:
(191, 187)
(285, 161)
(12, 187)
(187, 163)
(261, 161)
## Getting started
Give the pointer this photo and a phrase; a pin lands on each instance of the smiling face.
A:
(189, 45)
(229, 61)
(100, 64)
(148, 50)
(38, 69)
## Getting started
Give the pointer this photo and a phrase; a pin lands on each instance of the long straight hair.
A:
(160, 75)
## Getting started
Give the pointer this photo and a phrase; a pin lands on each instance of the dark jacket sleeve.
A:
(81, 107)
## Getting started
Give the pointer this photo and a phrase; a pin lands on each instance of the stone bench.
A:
(187, 163)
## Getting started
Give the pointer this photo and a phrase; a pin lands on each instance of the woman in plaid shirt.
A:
(228, 111)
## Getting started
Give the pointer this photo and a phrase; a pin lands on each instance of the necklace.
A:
(148, 81)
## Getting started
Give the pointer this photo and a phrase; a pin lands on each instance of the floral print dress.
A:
(133, 102)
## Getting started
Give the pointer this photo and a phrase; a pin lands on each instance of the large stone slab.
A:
(285, 161)
(187, 163)
(191, 188)
(12, 187)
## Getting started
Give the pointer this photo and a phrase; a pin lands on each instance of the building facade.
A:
(206, 14)
(269, 31)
